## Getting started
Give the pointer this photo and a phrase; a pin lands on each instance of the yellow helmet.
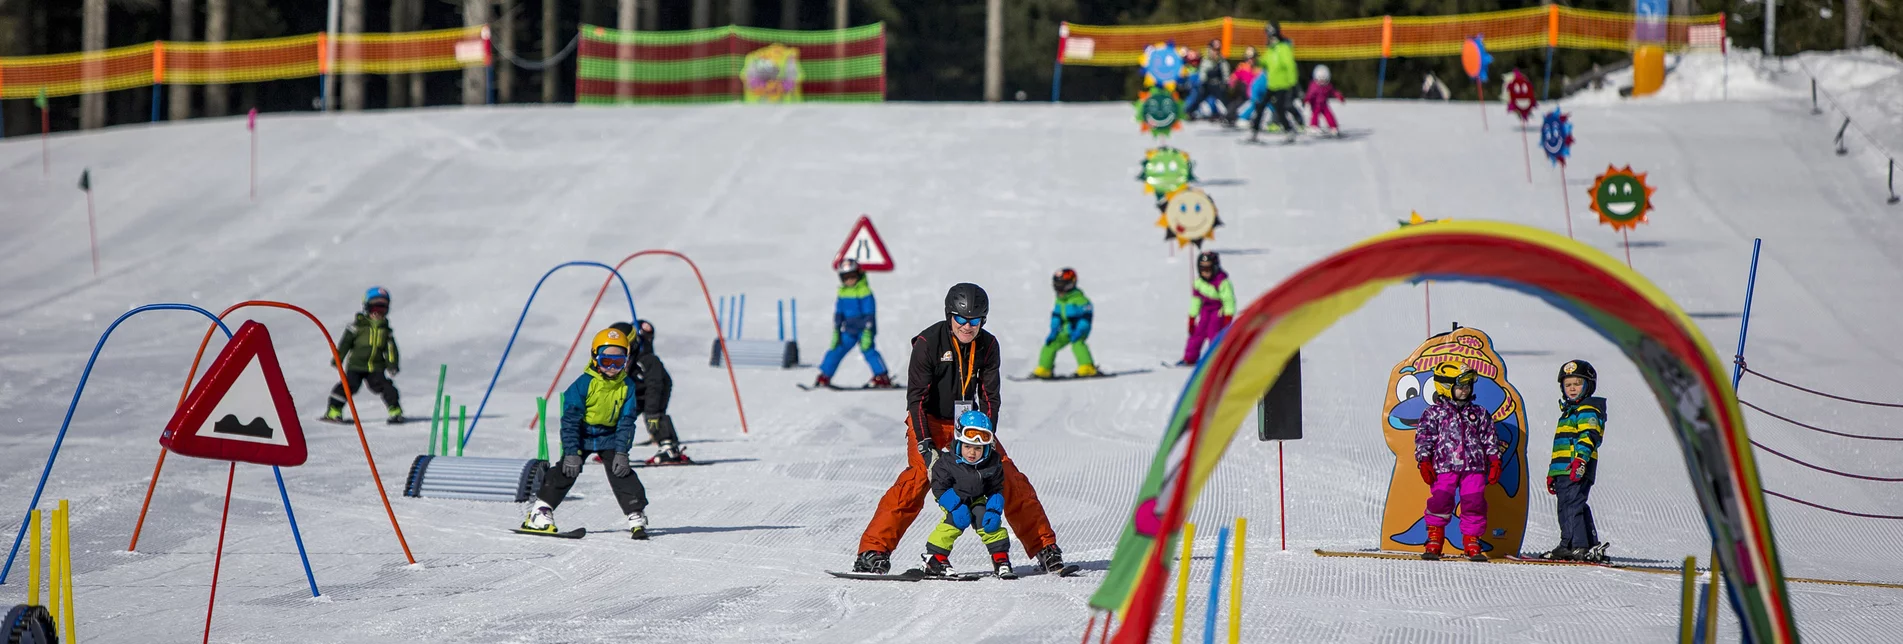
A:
(1451, 374)
(609, 338)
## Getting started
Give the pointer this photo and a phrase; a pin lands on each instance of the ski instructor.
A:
(954, 368)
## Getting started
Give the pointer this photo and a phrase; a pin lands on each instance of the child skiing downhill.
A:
(854, 324)
(1070, 325)
(1317, 99)
(653, 387)
(970, 487)
(1243, 82)
(1582, 422)
(1211, 306)
(370, 356)
(1458, 451)
(598, 418)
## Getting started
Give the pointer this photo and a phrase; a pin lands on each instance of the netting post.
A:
(158, 75)
(1546, 84)
(1744, 324)
(1381, 84)
(1057, 68)
(1814, 109)
(1552, 43)
(1387, 51)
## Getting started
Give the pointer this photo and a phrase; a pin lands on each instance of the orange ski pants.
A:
(903, 501)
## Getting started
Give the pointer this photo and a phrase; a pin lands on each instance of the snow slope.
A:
(458, 212)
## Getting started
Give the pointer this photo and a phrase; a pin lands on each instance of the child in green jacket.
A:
(1070, 325)
(598, 418)
(370, 356)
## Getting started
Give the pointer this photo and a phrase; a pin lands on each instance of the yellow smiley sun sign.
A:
(1621, 197)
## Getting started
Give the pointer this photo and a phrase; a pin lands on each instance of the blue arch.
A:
(632, 316)
(68, 421)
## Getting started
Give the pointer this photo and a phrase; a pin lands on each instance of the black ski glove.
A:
(928, 452)
(620, 467)
(571, 465)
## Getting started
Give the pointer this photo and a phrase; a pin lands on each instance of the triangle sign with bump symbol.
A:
(240, 410)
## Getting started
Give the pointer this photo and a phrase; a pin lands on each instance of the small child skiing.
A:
(370, 356)
(854, 324)
(653, 387)
(1576, 441)
(1211, 307)
(1243, 82)
(598, 413)
(1070, 325)
(1458, 452)
(1317, 99)
(969, 485)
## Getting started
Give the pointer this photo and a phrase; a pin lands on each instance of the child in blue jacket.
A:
(854, 324)
(598, 417)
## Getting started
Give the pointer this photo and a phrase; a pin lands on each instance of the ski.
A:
(576, 533)
(1067, 571)
(1178, 365)
(807, 387)
(914, 574)
(347, 421)
(1100, 374)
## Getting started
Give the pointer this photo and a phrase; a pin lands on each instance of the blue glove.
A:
(994, 513)
(1056, 325)
(961, 517)
(949, 500)
(1081, 330)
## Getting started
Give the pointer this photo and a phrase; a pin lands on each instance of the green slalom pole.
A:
(462, 416)
(436, 414)
(445, 451)
(541, 425)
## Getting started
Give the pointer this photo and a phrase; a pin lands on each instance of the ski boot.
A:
(1041, 372)
(937, 565)
(671, 453)
(334, 414)
(1334, 132)
(1001, 562)
(873, 561)
(1472, 549)
(638, 525)
(541, 519)
(396, 416)
(1087, 371)
(1559, 553)
(1051, 558)
(880, 381)
(1435, 535)
(823, 381)
(1595, 554)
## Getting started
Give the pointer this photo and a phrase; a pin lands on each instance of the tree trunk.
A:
(475, 79)
(549, 73)
(184, 13)
(839, 14)
(651, 15)
(415, 9)
(994, 50)
(789, 14)
(629, 12)
(740, 13)
(1853, 24)
(217, 29)
(395, 84)
(13, 42)
(703, 16)
(505, 40)
(351, 22)
(92, 104)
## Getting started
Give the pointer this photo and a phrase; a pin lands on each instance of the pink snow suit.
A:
(1211, 306)
(1317, 98)
(1458, 438)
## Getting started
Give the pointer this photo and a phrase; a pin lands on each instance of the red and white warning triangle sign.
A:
(865, 247)
(240, 410)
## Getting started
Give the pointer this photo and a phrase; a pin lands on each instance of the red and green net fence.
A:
(726, 64)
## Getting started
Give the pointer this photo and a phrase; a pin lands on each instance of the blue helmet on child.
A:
(974, 428)
(376, 293)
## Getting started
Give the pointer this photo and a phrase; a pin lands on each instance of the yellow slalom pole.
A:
(1182, 582)
(1688, 586)
(1235, 582)
(66, 572)
(1711, 600)
(53, 587)
(33, 562)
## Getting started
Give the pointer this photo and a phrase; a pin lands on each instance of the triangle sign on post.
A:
(241, 410)
(865, 247)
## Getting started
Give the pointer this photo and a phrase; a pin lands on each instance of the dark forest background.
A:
(934, 47)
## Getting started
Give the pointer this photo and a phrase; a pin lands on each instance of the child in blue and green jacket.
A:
(598, 418)
(1070, 324)
(854, 324)
(1576, 442)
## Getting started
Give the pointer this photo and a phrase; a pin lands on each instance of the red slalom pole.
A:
(1526, 150)
(251, 123)
(1569, 201)
(46, 126)
(92, 233)
(1480, 95)
(219, 559)
(1281, 490)
(1627, 234)
(1089, 626)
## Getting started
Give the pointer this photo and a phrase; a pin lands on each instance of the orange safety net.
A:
(1384, 36)
(239, 61)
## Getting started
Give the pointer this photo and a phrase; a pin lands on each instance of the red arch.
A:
(711, 316)
(338, 362)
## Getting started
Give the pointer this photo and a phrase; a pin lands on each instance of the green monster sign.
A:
(1166, 171)
(1159, 112)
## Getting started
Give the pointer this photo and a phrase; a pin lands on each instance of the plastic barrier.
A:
(510, 480)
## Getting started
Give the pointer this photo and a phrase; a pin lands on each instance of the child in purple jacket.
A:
(1458, 451)
(1211, 307)
(1317, 99)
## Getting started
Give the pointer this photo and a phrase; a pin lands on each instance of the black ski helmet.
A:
(1579, 369)
(1208, 260)
(626, 329)
(849, 268)
(1064, 280)
(967, 300)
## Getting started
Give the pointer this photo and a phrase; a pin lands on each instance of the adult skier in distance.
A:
(653, 387)
(954, 369)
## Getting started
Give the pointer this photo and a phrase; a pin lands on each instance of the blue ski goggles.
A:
(611, 362)
(977, 321)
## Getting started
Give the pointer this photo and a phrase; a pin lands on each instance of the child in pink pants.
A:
(1458, 451)
(1317, 99)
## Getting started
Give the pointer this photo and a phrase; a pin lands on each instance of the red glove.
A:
(1549, 486)
(1427, 472)
(1576, 469)
(1493, 471)
(1226, 319)
(1192, 325)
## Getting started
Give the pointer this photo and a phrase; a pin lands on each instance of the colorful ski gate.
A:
(704, 65)
(1551, 26)
(1692, 387)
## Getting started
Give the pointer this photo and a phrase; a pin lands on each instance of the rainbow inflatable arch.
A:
(1690, 382)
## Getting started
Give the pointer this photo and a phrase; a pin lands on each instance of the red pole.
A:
(219, 559)
(1527, 152)
(1089, 626)
(1106, 628)
(92, 233)
(254, 164)
(46, 125)
(1627, 234)
(1569, 201)
(1281, 490)
(1480, 96)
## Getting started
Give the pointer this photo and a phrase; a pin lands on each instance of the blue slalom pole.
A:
(1057, 79)
(740, 318)
(1379, 86)
(155, 102)
(1547, 83)
(1744, 324)
(632, 315)
(60, 439)
(779, 307)
(1215, 588)
(795, 306)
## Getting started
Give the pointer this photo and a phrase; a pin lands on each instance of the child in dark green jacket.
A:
(370, 356)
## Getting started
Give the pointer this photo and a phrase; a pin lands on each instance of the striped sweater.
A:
(1580, 433)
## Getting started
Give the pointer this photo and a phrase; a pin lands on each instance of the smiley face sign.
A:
(1166, 171)
(1556, 137)
(1520, 99)
(1621, 197)
(1159, 113)
(1189, 218)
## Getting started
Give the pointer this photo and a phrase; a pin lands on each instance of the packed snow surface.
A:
(459, 212)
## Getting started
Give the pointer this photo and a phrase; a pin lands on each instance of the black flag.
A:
(85, 180)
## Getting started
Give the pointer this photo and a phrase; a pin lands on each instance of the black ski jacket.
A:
(652, 385)
(943, 372)
(971, 481)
